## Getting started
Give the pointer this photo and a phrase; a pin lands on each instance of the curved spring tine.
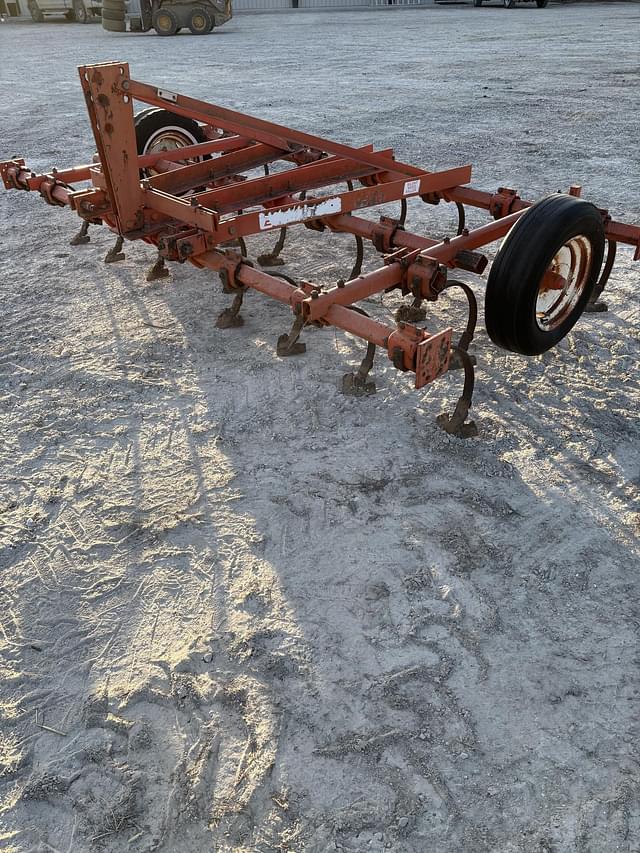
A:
(272, 258)
(456, 424)
(231, 318)
(612, 249)
(82, 236)
(467, 336)
(461, 218)
(357, 266)
(115, 254)
(413, 313)
(288, 343)
(356, 384)
(403, 213)
(286, 278)
(367, 361)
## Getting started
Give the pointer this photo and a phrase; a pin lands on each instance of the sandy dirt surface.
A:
(254, 614)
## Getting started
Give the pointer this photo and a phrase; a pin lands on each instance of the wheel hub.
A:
(563, 283)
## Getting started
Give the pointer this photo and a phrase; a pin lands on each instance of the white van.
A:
(81, 11)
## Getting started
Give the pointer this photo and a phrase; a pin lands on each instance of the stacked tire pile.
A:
(113, 16)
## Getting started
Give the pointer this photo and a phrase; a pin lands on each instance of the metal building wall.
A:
(257, 5)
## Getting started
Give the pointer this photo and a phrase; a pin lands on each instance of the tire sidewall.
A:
(163, 10)
(544, 340)
(524, 257)
(206, 15)
(151, 121)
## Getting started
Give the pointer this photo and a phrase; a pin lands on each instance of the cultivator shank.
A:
(199, 202)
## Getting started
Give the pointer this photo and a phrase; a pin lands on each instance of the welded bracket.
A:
(432, 357)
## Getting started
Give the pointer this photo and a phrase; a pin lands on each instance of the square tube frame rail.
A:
(190, 210)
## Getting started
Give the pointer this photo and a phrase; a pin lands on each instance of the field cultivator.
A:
(182, 176)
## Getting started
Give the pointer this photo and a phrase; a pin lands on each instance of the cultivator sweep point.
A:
(181, 177)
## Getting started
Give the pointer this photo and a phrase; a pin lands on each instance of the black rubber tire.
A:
(36, 12)
(200, 22)
(80, 12)
(165, 21)
(110, 15)
(523, 259)
(114, 26)
(148, 122)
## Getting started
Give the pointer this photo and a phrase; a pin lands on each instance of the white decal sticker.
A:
(411, 187)
(277, 218)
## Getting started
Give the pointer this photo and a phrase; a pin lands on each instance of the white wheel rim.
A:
(564, 283)
(170, 138)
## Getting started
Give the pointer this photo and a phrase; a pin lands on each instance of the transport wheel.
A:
(162, 130)
(200, 22)
(165, 22)
(543, 275)
(36, 12)
(80, 12)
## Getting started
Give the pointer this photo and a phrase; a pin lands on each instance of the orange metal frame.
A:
(191, 210)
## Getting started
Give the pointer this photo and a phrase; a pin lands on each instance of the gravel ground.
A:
(253, 614)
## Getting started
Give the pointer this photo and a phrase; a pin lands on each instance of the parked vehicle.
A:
(81, 11)
(166, 17)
